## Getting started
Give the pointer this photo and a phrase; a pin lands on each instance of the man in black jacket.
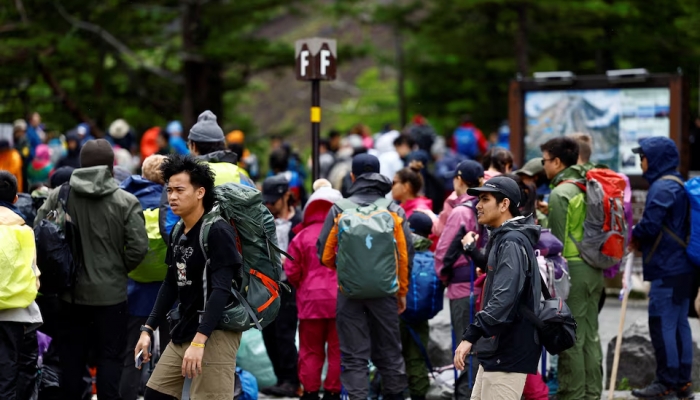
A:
(506, 344)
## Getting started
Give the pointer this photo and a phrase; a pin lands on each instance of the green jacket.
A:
(112, 232)
(567, 210)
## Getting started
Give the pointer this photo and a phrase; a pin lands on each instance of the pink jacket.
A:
(317, 285)
(409, 206)
(460, 216)
(439, 225)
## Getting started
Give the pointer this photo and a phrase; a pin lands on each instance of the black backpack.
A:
(555, 324)
(58, 248)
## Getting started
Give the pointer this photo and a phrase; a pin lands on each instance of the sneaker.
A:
(286, 389)
(331, 395)
(685, 392)
(656, 390)
(312, 396)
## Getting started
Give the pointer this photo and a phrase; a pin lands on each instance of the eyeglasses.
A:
(544, 160)
(642, 156)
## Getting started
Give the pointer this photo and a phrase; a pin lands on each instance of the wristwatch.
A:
(144, 328)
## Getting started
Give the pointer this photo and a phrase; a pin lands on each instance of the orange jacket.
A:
(328, 239)
(11, 161)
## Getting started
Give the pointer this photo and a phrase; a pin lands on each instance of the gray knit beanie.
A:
(206, 130)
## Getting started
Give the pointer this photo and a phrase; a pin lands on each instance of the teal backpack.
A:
(367, 256)
(259, 294)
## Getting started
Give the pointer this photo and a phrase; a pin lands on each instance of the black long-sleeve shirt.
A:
(188, 282)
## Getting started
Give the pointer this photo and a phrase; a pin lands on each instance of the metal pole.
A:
(315, 126)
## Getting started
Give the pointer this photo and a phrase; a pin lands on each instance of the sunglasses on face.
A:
(545, 160)
(642, 156)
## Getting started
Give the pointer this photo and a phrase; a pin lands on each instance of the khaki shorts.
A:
(218, 369)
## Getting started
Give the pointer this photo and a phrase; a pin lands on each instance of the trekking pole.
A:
(471, 318)
(618, 343)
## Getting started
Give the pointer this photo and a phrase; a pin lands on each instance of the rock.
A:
(637, 357)
(440, 344)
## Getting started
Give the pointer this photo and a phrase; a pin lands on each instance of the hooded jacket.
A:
(503, 340)
(29, 315)
(166, 218)
(460, 286)
(142, 296)
(366, 189)
(409, 206)
(317, 286)
(567, 210)
(72, 158)
(666, 205)
(112, 234)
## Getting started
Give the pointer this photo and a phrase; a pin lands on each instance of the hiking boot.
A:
(285, 389)
(312, 396)
(656, 390)
(685, 392)
(331, 395)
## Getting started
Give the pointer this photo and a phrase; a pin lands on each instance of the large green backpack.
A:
(259, 293)
(367, 257)
(153, 267)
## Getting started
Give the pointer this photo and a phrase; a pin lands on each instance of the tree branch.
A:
(67, 102)
(22, 12)
(121, 47)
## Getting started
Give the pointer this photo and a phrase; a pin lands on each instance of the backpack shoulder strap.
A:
(209, 220)
(665, 229)
(345, 204)
(581, 184)
(63, 193)
(383, 202)
(673, 178)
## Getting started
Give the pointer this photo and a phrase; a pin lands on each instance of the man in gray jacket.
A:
(114, 241)
(368, 327)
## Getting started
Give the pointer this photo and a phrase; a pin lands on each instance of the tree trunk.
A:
(203, 79)
(521, 39)
(401, 78)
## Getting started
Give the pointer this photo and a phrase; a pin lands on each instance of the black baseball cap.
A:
(500, 184)
(469, 171)
(638, 150)
(364, 164)
(274, 188)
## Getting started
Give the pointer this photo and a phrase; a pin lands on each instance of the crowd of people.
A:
(396, 221)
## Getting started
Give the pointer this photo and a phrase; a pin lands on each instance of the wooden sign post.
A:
(315, 61)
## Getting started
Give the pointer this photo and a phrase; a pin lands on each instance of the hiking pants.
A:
(535, 388)
(314, 336)
(670, 331)
(101, 329)
(280, 340)
(498, 385)
(19, 351)
(580, 373)
(414, 357)
(368, 329)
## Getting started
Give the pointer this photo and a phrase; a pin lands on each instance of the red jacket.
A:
(317, 285)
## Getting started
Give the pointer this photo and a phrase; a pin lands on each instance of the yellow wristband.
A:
(200, 345)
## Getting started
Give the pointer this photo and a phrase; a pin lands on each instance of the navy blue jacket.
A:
(666, 205)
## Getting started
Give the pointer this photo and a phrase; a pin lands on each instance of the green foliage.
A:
(375, 106)
(461, 54)
(123, 59)
(624, 384)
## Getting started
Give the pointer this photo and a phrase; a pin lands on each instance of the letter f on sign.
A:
(304, 61)
(325, 61)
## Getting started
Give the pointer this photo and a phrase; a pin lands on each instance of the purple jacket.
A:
(316, 285)
(460, 216)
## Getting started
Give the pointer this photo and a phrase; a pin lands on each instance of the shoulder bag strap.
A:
(665, 229)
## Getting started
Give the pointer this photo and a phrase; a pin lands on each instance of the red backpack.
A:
(605, 226)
